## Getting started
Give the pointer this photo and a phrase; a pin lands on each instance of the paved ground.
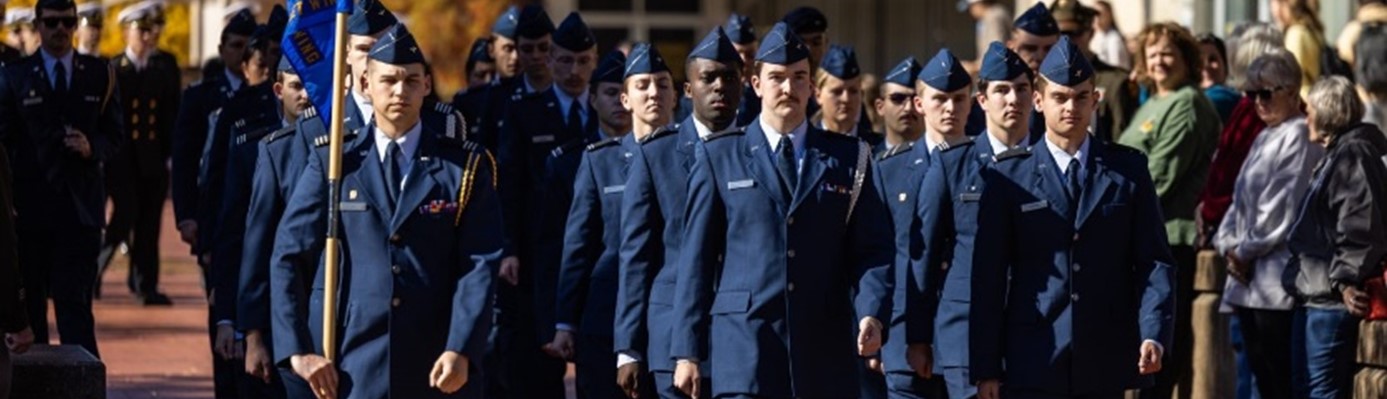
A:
(159, 352)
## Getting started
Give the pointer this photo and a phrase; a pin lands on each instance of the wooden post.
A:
(1214, 372)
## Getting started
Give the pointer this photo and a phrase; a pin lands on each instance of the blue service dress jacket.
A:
(415, 282)
(777, 318)
(1062, 304)
(652, 231)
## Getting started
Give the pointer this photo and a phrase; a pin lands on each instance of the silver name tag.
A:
(739, 184)
(353, 206)
(613, 189)
(33, 101)
(1042, 204)
(542, 139)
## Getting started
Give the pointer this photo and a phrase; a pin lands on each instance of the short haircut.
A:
(1277, 68)
(1184, 43)
(1370, 65)
(984, 84)
(1210, 39)
(1336, 104)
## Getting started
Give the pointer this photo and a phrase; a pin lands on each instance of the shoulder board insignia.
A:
(1017, 152)
(951, 147)
(311, 112)
(240, 123)
(604, 143)
(729, 133)
(322, 140)
(281, 133)
(897, 150)
(663, 132)
(443, 107)
(1115, 147)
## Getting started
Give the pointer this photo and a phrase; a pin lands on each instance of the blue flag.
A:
(309, 46)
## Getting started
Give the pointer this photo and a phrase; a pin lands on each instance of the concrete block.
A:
(1209, 272)
(58, 372)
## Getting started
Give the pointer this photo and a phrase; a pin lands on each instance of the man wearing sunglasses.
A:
(60, 120)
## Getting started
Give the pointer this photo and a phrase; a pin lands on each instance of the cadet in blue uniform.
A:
(587, 288)
(1071, 278)
(137, 179)
(839, 80)
(60, 118)
(200, 102)
(743, 36)
(536, 125)
(481, 66)
(901, 163)
(795, 213)
(425, 205)
(652, 225)
(246, 134)
(1033, 34)
(520, 43)
(902, 121)
(950, 195)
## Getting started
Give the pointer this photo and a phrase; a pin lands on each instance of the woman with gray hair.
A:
(1252, 236)
(1339, 238)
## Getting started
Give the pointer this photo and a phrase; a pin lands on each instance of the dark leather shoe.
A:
(155, 299)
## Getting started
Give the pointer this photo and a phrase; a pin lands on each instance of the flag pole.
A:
(331, 250)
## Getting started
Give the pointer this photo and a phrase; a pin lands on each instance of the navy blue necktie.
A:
(575, 119)
(59, 78)
(785, 161)
(393, 175)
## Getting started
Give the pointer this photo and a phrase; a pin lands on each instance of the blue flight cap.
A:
(1066, 65)
(397, 47)
(533, 23)
(1038, 21)
(841, 62)
(241, 24)
(739, 29)
(506, 22)
(717, 47)
(574, 35)
(480, 52)
(611, 69)
(644, 59)
(999, 63)
(278, 22)
(945, 73)
(285, 66)
(904, 73)
(781, 46)
(370, 18)
(804, 20)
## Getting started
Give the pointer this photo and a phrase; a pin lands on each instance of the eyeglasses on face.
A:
(52, 22)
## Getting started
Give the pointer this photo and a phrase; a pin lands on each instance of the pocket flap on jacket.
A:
(731, 302)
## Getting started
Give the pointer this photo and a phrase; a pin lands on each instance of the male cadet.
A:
(412, 199)
(481, 66)
(1071, 282)
(192, 129)
(652, 225)
(1032, 36)
(520, 43)
(246, 303)
(900, 166)
(587, 288)
(743, 36)
(949, 198)
(1117, 94)
(945, 104)
(60, 119)
(137, 180)
(90, 17)
(795, 213)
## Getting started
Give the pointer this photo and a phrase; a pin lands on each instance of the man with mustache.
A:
(1072, 293)
(653, 217)
(60, 119)
(795, 214)
(949, 202)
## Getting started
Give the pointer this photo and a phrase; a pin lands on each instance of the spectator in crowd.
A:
(1253, 235)
(1177, 129)
(1370, 72)
(1214, 75)
(1299, 19)
(1108, 41)
(1369, 12)
(1337, 241)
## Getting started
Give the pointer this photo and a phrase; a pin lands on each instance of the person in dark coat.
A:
(60, 118)
(14, 317)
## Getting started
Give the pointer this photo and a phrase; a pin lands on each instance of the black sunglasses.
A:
(900, 98)
(1263, 94)
(52, 22)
